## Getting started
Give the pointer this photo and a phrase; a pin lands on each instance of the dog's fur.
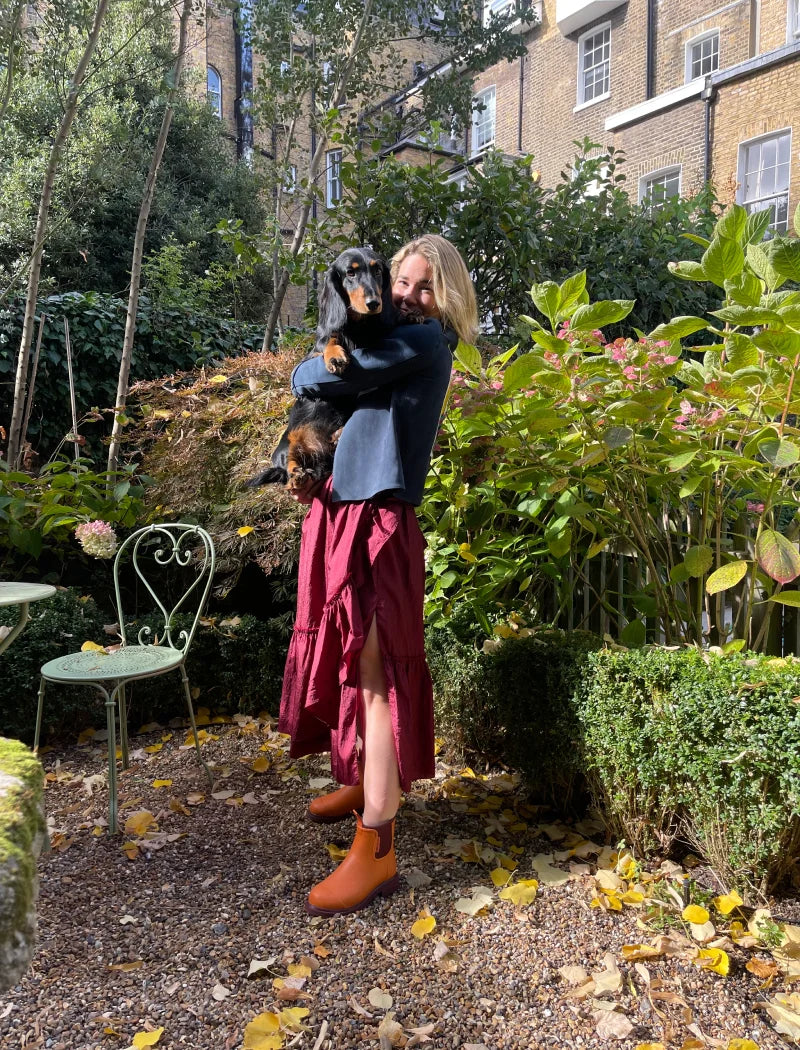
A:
(355, 309)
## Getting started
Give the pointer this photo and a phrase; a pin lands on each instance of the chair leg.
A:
(188, 692)
(123, 724)
(112, 759)
(39, 708)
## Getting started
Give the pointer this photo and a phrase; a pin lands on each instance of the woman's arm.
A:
(410, 349)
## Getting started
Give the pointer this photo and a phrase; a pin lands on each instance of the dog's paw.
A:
(336, 363)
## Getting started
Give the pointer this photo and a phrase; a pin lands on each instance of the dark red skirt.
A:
(358, 560)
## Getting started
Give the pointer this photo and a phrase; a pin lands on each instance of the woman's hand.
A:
(305, 490)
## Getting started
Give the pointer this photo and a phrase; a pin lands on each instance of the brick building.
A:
(691, 90)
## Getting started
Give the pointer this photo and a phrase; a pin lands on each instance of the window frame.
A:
(478, 121)
(216, 107)
(333, 157)
(581, 100)
(792, 21)
(741, 172)
(657, 173)
(698, 41)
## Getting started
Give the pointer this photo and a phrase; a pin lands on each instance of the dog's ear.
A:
(333, 305)
(388, 312)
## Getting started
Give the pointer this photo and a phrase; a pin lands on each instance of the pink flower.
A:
(619, 354)
(630, 372)
(687, 408)
(97, 538)
(755, 508)
(713, 417)
(670, 359)
(497, 384)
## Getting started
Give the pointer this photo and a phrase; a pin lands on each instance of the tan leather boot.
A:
(369, 870)
(336, 805)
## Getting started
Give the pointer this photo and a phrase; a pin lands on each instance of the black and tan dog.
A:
(355, 310)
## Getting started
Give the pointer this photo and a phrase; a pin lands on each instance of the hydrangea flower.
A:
(97, 538)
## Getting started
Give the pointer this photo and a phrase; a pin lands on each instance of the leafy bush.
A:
(56, 627)
(167, 340)
(698, 746)
(235, 664)
(39, 515)
(513, 704)
(684, 457)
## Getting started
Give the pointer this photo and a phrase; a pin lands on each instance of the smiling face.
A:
(412, 290)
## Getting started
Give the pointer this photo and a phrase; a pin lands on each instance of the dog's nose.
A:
(373, 305)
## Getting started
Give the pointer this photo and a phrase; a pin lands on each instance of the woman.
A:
(356, 680)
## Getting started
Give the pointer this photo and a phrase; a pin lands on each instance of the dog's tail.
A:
(271, 476)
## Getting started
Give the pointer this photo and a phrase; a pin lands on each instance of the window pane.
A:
(765, 178)
(595, 65)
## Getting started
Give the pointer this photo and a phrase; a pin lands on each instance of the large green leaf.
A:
(779, 344)
(683, 459)
(550, 342)
(571, 293)
(698, 560)
(778, 556)
(468, 357)
(547, 297)
(740, 351)
(688, 270)
(787, 598)
(723, 260)
(780, 454)
(746, 289)
(757, 225)
(595, 315)
(519, 372)
(732, 223)
(616, 437)
(786, 258)
(759, 261)
(678, 327)
(633, 634)
(726, 576)
(747, 315)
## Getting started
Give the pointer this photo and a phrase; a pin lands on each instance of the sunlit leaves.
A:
(726, 576)
(520, 893)
(777, 556)
(151, 1038)
(423, 926)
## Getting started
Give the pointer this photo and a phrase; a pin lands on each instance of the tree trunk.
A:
(279, 290)
(70, 108)
(15, 21)
(138, 241)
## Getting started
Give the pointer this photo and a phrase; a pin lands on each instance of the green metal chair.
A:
(152, 549)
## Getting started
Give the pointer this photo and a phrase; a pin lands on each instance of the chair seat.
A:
(132, 661)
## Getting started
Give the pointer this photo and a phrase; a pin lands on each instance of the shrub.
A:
(235, 664)
(167, 340)
(514, 704)
(699, 746)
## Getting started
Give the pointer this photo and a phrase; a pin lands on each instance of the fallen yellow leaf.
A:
(336, 853)
(713, 959)
(245, 530)
(162, 783)
(695, 914)
(139, 822)
(93, 647)
(153, 749)
(263, 1033)
(423, 926)
(649, 1046)
(742, 1044)
(725, 906)
(500, 877)
(299, 970)
(520, 893)
(291, 1017)
(260, 765)
(146, 1038)
(218, 379)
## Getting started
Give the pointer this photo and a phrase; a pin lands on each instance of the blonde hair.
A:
(452, 285)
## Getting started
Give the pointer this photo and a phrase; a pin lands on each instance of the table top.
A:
(13, 593)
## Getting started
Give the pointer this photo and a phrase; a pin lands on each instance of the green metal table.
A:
(21, 594)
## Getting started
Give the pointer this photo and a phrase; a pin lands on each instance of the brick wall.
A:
(759, 104)
(774, 25)
(683, 20)
(668, 139)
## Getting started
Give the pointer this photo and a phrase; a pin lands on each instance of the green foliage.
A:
(513, 704)
(169, 338)
(681, 456)
(701, 747)
(56, 627)
(514, 232)
(39, 513)
(236, 663)
(102, 175)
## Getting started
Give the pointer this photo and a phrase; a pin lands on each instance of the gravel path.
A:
(163, 936)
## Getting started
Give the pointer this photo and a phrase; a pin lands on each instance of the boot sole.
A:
(318, 819)
(386, 889)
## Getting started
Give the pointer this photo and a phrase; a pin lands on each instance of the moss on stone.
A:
(22, 827)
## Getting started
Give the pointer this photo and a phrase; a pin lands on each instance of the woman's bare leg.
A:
(380, 772)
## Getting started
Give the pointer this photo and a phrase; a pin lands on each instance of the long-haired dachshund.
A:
(355, 309)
